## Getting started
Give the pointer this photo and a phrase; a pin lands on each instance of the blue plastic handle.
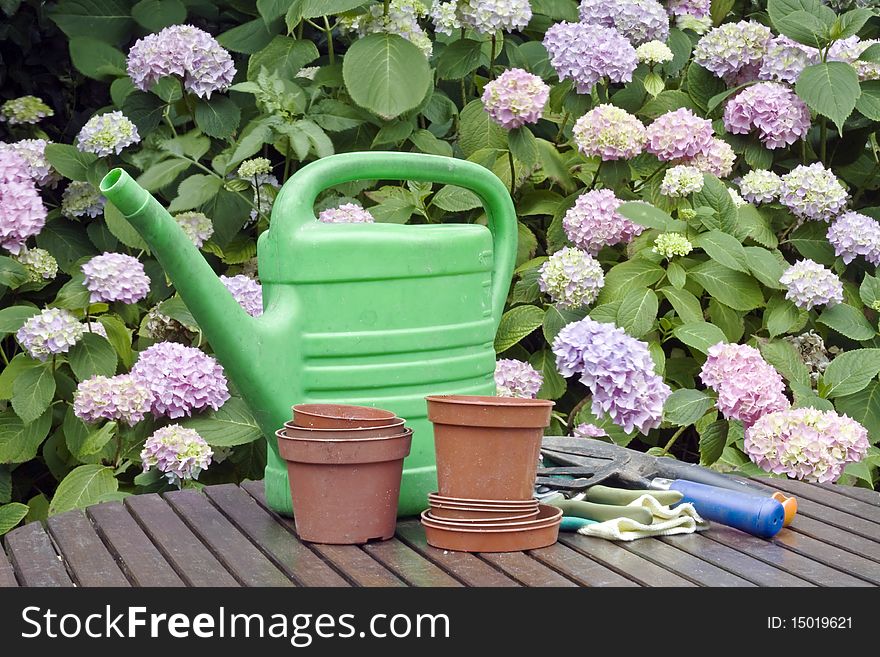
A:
(572, 524)
(753, 514)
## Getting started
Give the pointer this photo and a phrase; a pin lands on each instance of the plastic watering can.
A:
(371, 314)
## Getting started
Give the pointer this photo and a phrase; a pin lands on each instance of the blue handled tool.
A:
(753, 514)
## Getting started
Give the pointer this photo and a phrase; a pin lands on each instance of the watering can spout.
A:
(229, 329)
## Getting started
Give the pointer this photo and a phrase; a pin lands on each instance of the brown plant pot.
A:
(340, 416)
(487, 447)
(436, 498)
(291, 430)
(495, 537)
(480, 514)
(345, 491)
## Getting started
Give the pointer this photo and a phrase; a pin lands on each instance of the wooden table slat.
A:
(140, 560)
(34, 559)
(734, 561)
(623, 561)
(523, 568)
(350, 560)
(7, 575)
(177, 543)
(829, 498)
(852, 542)
(830, 555)
(578, 567)
(409, 565)
(855, 492)
(779, 557)
(685, 564)
(467, 568)
(88, 559)
(281, 546)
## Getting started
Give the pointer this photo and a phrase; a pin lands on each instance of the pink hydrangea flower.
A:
(854, 234)
(116, 277)
(22, 213)
(514, 378)
(589, 430)
(610, 133)
(679, 134)
(123, 398)
(247, 292)
(177, 452)
(586, 54)
(347, 213)
(779, 116)
(515, 98)
(593, 222)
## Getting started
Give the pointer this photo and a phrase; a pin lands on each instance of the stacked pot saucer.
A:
(345, 465)
(487, 453)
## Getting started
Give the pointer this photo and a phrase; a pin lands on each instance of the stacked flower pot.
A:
(487, 452)
(345, 465)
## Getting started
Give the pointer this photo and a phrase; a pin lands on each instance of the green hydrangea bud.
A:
(25, 109)
(254, 167)
(672, 244)
(687, 214)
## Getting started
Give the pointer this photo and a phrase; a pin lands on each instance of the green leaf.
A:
(5, 484)
(723, 248)
(851, 372)
(811, 242)
(32, 392)
(784, 357)
(685, 406)
(194, 191)
(554, 385)
(719, 9)
(17, 365)
(94, 441)
(459, 59)
(715, 195)
(685, 304)
(144, 109)
(728, 320)
(667, 101)
(852, 21)
(765, 266)
(96, 59)
(73, 295)
(555, 319)
(864, 408)
(477, 130)
(92, 355)
(69, 161)
(676, 274)
(122, 230)
(516, 324)
(284, 56)
(732, 288)
(647, 215)
(830, 89)
(523, 145)
(251, 36)
(335, 116)
(781, 316)
(108, 20)
(847, 321)
(637, 311)
(19, 442)
(699, 335)
(702, 85)
(217, 117)
(868, 102)
(629, 275)
(869, 291)
(11, 515)
(804, 28)
(386, 74)
(231, 425)
(67, 243)
(160, 174)
(83, 487)
(455, 199)
(315, 8)
(712, 442)
(680, 45)
(272, 9)
(157, 14)
(12, 273)
(13, 318)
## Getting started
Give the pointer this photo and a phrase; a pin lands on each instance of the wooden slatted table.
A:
(226, 536)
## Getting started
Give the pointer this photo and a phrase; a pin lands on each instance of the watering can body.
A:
(370, 314)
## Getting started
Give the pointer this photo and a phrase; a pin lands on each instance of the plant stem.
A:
(329, 32)
(673, 439)
(286, 162)
(561, 127)
(596, 175)
(385, 8)
(3, 355)
(463, 94)
(492, 59)
(512, 173)
(823, 135)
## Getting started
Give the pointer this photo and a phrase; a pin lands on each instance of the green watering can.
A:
(371, 314)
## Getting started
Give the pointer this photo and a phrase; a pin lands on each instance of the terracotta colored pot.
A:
(293, 431)
(435, 498)
(480, 514)
(495, 537)
(341, 416)
(487, 447)
(345, 491)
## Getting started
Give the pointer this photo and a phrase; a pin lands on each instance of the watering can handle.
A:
(301, 190)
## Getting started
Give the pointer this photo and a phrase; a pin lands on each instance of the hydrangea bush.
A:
(696, 187)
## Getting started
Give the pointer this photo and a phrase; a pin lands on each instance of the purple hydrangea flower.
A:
(695, 8)
(638, 20)
(618, 370)
(853, 234)
(177, 452)
(247, 292)
(806, 443)
(586, 54)
(33, 151)
(681, 180)
(80, 199)
(610, 133)
(181, 379)
(747, 385)
(104, 134)
(514, 378)
(489, 16)
(779, 116)
(347, 213)
(760, 186)
(733, 50)
(185, 51)
(717, 158)
(515, 98)
(679, 134)
(810, 284)
(196, 225)
(22, 213)
(52, 331)
(571, 277)
(589, 430)
(116, 277)
(813, 192)
(593, 222)
(849, 50)
(122, 398)
(786, 59)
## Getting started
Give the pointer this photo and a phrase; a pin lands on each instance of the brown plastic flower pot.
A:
(480, 514)
(293, 431)
(341, 416)
(436, 498)
(345, 491)
(515, 536)
(487, 447)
